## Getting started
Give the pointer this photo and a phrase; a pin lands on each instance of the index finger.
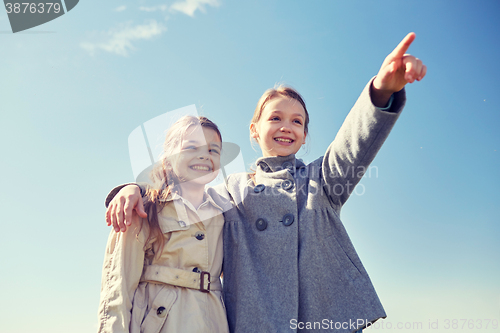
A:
(128, 213)
(107, 216)
(403, 46)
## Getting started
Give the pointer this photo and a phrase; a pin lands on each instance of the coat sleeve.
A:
(122, 270)
(359, 139)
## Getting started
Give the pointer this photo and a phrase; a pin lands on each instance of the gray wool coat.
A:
(289, 264)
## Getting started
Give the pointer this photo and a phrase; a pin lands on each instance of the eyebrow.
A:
(191, 141)
(210, 144)
(295, 114)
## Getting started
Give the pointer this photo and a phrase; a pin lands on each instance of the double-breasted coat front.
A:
(289, 264)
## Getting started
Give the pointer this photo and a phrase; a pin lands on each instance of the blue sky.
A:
(426, 224)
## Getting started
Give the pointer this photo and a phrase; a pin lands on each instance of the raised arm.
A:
(369, 123)
(123, 203)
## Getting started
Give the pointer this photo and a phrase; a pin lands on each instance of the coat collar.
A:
(278, 163)
(206, 197)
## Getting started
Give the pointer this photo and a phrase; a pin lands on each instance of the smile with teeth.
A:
(200, 167)
(283, 140)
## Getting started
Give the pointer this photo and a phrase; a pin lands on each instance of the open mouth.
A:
(284, 140)
(200, 168)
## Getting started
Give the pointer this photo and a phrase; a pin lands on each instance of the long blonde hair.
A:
(163, 176)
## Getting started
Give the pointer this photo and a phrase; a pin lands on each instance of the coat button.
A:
(196, 270)
(287, 184)
(161, 311)
(259, 188)
(265, 167)
(182, 224)
(288, 165)
(199, 235)
(288, 219)
(261, 224)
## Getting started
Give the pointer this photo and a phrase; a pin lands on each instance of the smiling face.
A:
(280, 131)
(198, 159)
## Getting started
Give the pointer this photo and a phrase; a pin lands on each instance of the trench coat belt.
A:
(181, 278)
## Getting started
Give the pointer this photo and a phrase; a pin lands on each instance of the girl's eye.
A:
(298, 122)
(275, 118)
(215, 151)
(190, 147)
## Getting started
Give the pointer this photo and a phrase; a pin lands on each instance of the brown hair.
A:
(284, 91)
(164, 178)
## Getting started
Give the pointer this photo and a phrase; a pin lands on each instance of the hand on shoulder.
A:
(125, 205)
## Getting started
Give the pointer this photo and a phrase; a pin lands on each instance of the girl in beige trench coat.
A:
(163, 274)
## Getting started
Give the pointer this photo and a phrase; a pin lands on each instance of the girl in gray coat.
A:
(289, 264)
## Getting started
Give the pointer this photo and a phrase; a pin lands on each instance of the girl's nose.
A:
(204, 155)
(284, 129)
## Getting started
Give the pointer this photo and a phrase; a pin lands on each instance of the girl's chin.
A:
(280, 154)
(202, 180)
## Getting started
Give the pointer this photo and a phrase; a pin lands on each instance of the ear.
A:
(304, 141)
(253, 131)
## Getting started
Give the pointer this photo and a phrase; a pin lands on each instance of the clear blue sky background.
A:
(427, 226)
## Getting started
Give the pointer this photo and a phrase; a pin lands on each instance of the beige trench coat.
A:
(141, 293)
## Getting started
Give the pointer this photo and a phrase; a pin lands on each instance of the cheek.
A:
(216, 162)
(268, 132)
(301, 133)
(177, 163)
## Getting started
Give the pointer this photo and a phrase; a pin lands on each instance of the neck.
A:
(193, 193)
